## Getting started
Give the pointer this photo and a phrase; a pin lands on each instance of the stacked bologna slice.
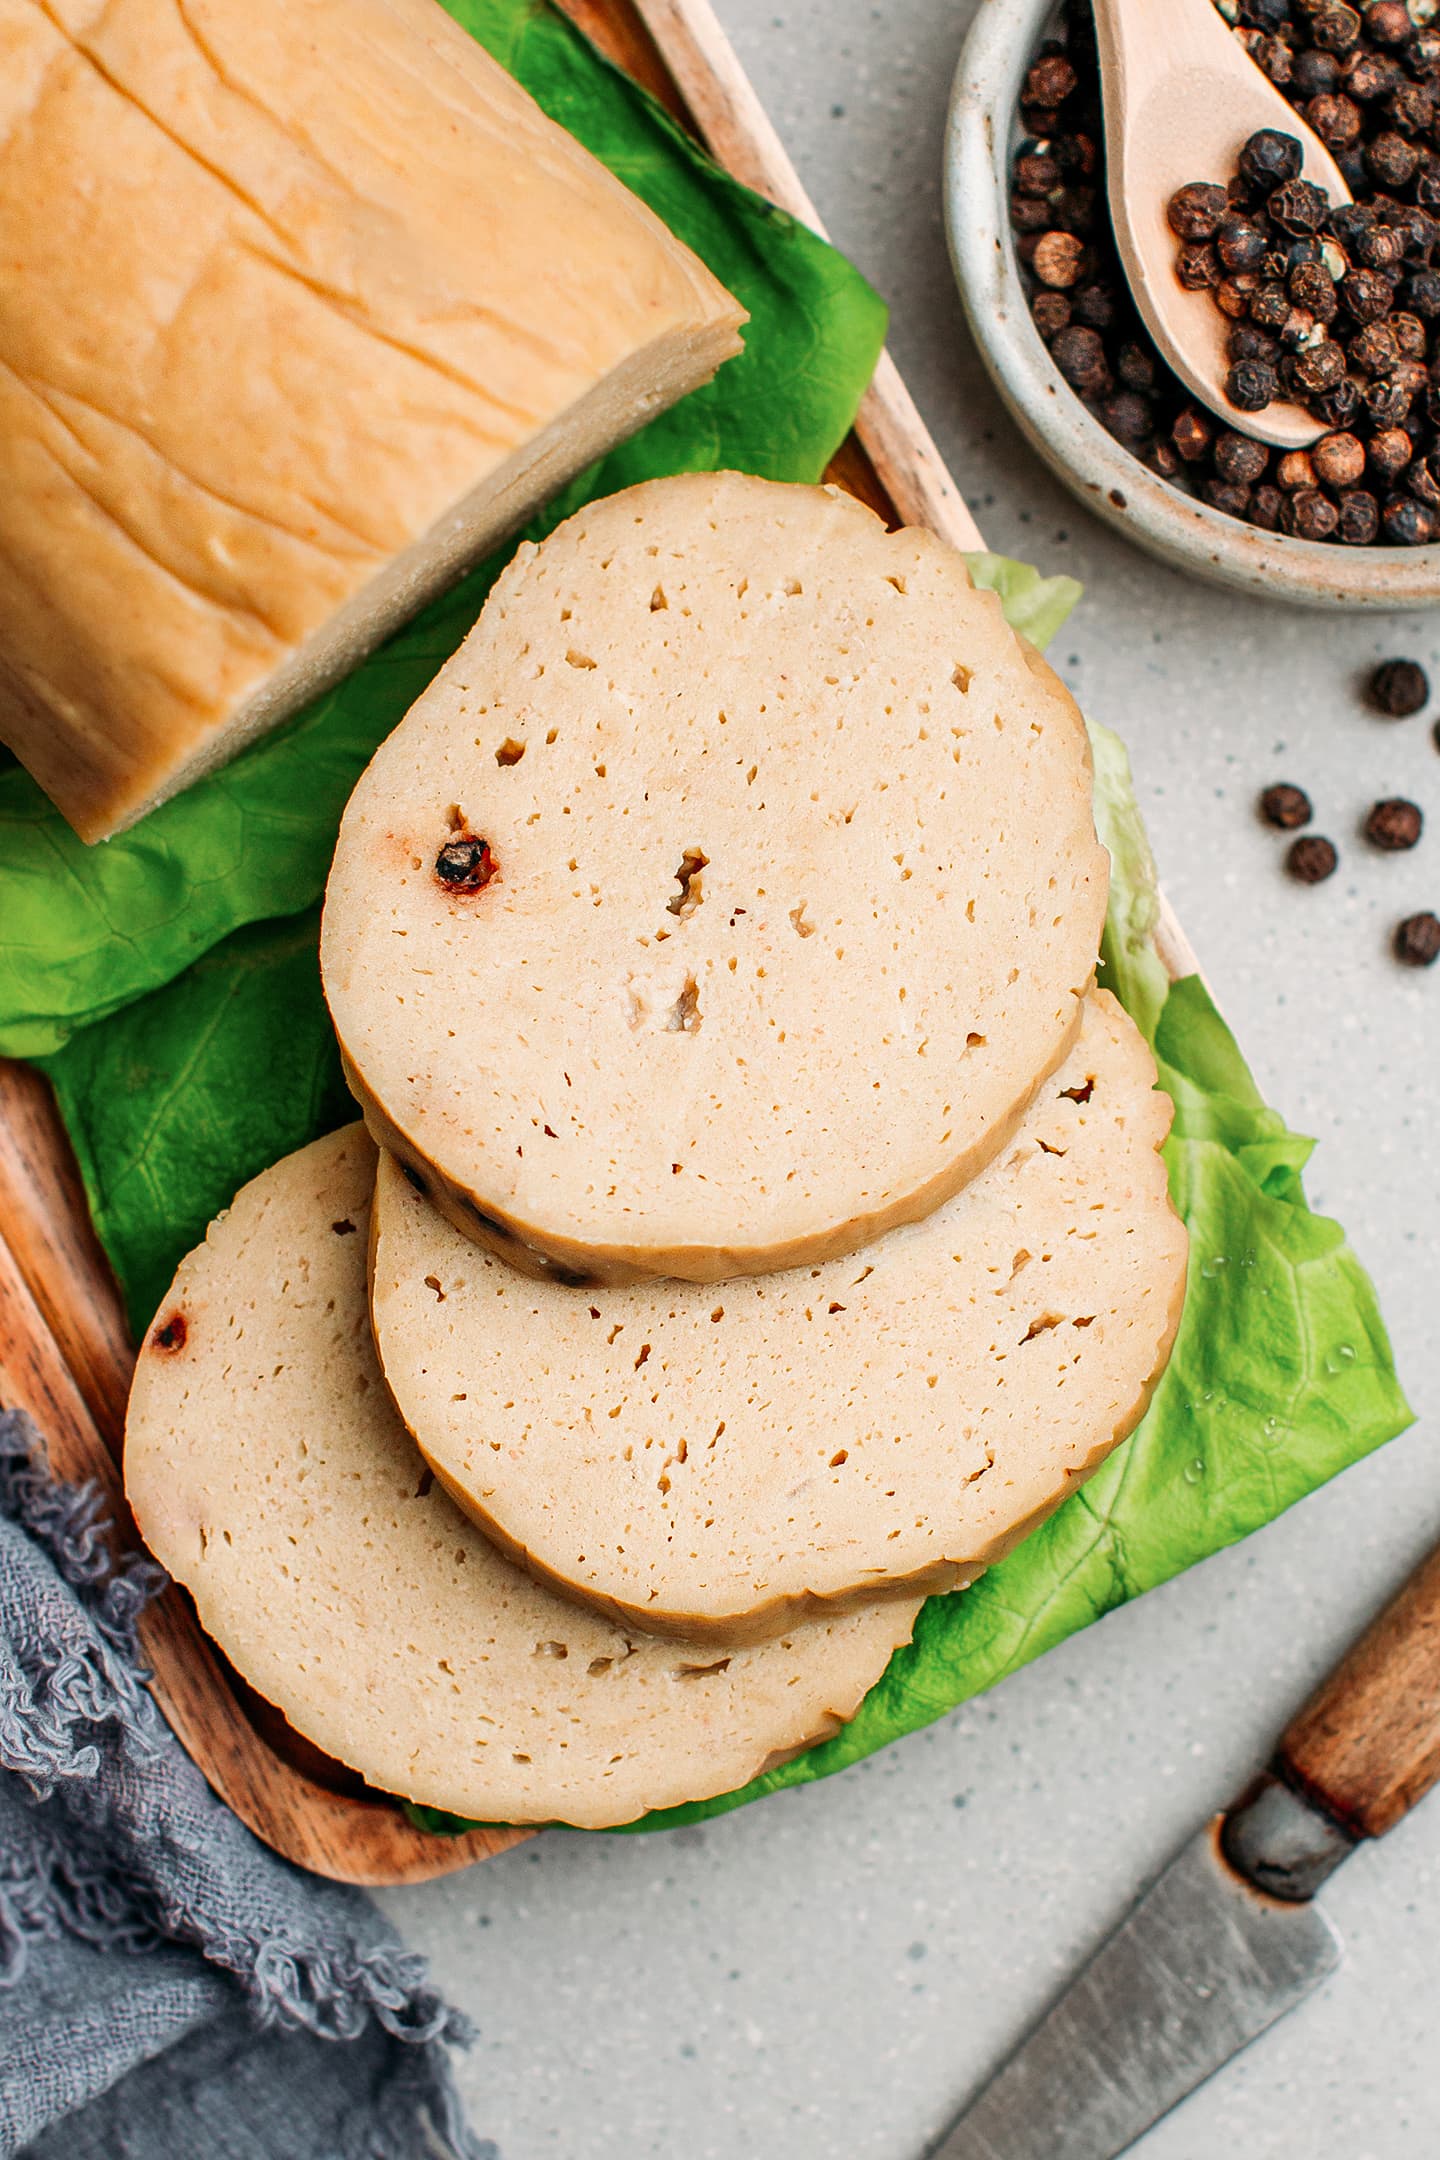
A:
(758, 1220)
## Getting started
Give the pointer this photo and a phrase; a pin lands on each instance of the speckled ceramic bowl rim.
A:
(978, 141)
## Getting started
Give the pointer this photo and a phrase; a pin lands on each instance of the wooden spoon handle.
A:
(1367, 1744)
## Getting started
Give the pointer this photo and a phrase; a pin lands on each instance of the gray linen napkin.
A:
(168, 1987)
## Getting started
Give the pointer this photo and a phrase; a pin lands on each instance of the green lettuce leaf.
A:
(1036, 606)
(87, 929)
(175, 1102)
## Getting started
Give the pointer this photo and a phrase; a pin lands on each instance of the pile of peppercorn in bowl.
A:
(1336, 307)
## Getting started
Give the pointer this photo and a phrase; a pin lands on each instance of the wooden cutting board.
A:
(65, 1353)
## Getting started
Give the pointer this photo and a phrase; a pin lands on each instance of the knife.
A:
(1229, 1938)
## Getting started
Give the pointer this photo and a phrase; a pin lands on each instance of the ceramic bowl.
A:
(979, 143)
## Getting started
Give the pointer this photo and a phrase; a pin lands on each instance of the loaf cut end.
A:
(288, 350)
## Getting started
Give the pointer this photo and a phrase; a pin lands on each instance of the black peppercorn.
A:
(1198, 266)
(1029, 215)
(1407, 523)
(1399, 688)
(1335, 119)
(1225, 495)
(1128, 416)
(1421, 292)
(1050, 81)
(1369, 76)
(1265, 506)
(1422, 478)
(1239, 458)
(1335, 27)
(1272, 55)
(1269, 158)
(1265, 14)
(1195, 212)
(1309, 515)
(1320, 367)
(1394, 825)
(1076, 154)
(1036, 174)
(1248, 342)
(465, 864)
(1312, 288)
(1073, 210)
(1389, 453)
(1353, 169)
(1311, 859)
(1409, 334)
(1080, 356)
(1339, 407)
(1359, 517)
(1389, 22)
(1135, 368)
(1417, 940)
(1298, 206)
(1051, 311)
(1251, 385)
(1314, 73)
(1095, 308)
(1059, 259)
(1411, 109)
(1367, 295)
(1234, 293)
(1192, 435)
(1374, 350)
(1239, 244)
(1378, 247)
(1285, 806)
(1296, 470)
(1270, 307)
(1387, 402)
(1392, 159)
(1339, 460)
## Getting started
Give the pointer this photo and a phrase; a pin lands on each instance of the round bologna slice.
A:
(269, 1473)
(724, 899)
(721, 1460)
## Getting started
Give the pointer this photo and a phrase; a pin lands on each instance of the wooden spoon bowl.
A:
(1182, 97)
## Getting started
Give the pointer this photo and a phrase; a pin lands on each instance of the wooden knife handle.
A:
(1367, 1744)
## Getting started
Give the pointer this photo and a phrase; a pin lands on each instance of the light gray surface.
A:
(830, 1972)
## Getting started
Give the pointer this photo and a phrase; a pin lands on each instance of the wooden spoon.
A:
(1182, 96)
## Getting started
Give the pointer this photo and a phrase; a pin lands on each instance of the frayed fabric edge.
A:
(60, 1692)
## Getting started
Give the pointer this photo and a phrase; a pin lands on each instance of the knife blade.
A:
(1228, 1939)
(1202, 1966)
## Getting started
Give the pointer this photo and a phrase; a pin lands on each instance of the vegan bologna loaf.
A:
(724, 1460)
(270, 1474)
(306, 304)
(724, 899)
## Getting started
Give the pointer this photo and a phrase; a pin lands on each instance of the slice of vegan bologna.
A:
(269, 1473)
(725, 898)
(722, 1460)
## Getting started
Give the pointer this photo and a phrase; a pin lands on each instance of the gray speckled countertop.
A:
(830, 1972)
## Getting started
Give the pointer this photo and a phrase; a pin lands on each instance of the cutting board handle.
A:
(1367, 1744)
